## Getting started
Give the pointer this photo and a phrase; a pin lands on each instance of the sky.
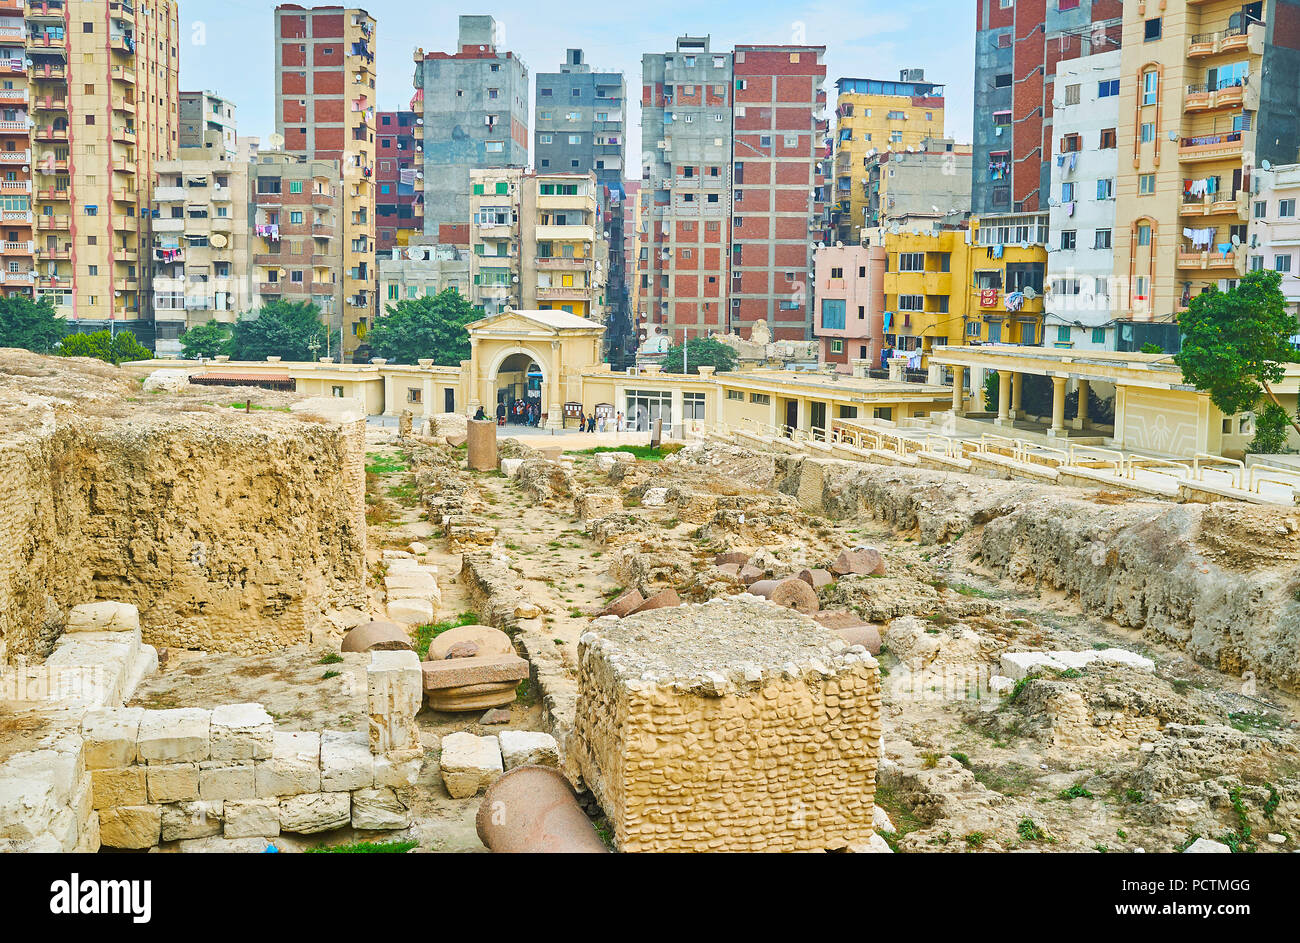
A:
(227, 46)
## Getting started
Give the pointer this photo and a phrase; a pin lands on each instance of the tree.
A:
(104, 345)
(700, 352)
(1236, 342)
(284, 329)
(31, 325)
(206, 340)
(418, 328)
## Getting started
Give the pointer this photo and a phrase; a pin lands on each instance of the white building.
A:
(1275, 228)
(1080, 262)
(422, 269)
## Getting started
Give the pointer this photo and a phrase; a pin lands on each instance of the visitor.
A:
(600, 423)
(582, 421)
(619, 422)
(501, 413)
(591, 423)
(480, 416)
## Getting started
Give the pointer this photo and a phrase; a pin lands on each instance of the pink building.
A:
(849, 319)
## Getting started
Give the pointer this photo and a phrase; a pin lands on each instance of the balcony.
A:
(13, 96)
(123, 105)
(53, 255)
(121, 73)
(19, 279)
(124, 135)
(322, 232)
(270, 288)
(124, 166)
(1211, 147)
(1229, 94)
(50, 103)
(572, 293)
(19, 249)
(221, 195)
(126, 224)
(1219, 205)
(122, 44)
(49, 70)
(17, 217)
(1234, 39)
(560, 262)
(52, 282)
(44, 9)
(52, 222)
(15, 186)
(52, 194)
(169, 194)
(169, 224)
(1212, 260)
(565, 233)
(46, 42)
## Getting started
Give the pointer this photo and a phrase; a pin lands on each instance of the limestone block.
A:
(462, 684)
(241, 732)
(34, 786)
(411, 611)
(1204, 846)
(412, 586)
(177, 782)
(225, 779)
(1119, 656)
(395, 693)
(166, 381)
(597, 503)
(253, 818)
(294, 766)
(1018, 665)
(654, 497)
(418, 548)
(467, 533)
(481, 444)
(880, 820)
(624, 604)
(376, 636)
(115, 787)
(664, 599)
(315, 812)
(999, 684)
(873, 844)
(391, 555)
(469, 764)
(485, 639)
(510, 466)
(217, 845)
(528, 748)
(397, 771)
(200, 819)
(816, 578)
(379, 808)
(862, 560)
(180, 735)
(104, 617)
(345, 761)
(130, 826)
(109, 736)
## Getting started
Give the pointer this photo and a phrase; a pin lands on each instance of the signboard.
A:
(988, 297)
(604, 410)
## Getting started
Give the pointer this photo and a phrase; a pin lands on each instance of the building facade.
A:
(475, 110)
(1275, 229)
(208, 121)
(325, 111)
(199, 259)
(581, 118)
(1018, 47)
(422, 269)
(850, 292)
(872, 117)
(931, 181)
(398, 158)
(1082, 207)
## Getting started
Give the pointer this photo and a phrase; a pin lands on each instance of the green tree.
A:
(104, 345)
(700, 352)
(1270, 431)
(31, 325)
(418, 328)
(1149, 348)
(206, 340)
(1236, 342)
(284, 329)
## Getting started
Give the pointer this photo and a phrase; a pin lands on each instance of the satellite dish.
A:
(413, 253)
(1236, 240)
(276, 141)
(1267, 165)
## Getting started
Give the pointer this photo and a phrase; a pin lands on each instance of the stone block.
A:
(34, 786)
(115, 787)
(104, 617)
(397, 771)
(184, 820)
(865, 561)
(346, 762)
(181, 735)
(395, 693)
(731, 556)
(1204, 846)
(252, 818)
(486, 640)
(109, 736)
(130, 826)
(379, 808)
(417, 548)
(294, 766)
(411, 611)
(528, 748)
(510, 466)
(462, 672)
(241, 732)
(315, 812)
(654, 497)
(817, 578)
(624, 604)
(469, 764)
(1018, 665)
(224, 779)
(664, 599)
(175, 782)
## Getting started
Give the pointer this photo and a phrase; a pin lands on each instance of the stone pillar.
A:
(475, 393)
(1081, 420)
(896, 367)
(1004, 398)
(482, 444)
(958, 374)
(555, 409)
(1017, 395)
(1058, 408)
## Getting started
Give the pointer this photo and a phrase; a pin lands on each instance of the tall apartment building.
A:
(1082, 209)
(850, 304)
(1275, 228)
(199, 260)
(80, 147)
(534, 243)
(1210, 93)
(399, 206)
(931, 182)
(778, 191)
(875, 116)
(298, 209)
(686, 128)
(1017, 49)
(325, 110)
(208, 122)
(475, 112)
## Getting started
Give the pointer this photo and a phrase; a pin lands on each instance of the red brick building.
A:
(397, 202)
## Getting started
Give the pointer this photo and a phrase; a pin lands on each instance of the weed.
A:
(329, 674)
(929, 760)
(424, 634)
(1029, 831)
(330, 658)
(1134, 795)
(1074, 792)
(961, 758)
(365, 848)
(974, 839)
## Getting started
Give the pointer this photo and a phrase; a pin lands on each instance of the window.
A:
(1069, 239)
(1099, 335)
(1144, 235)
(1108, 139)
(735, 396)
(1102, 239)
(1067, 192)
(1282, 263)
(1153, 29)
(546, 139)
(413, 394)
(760, 399)
(837, 347)
(911, 302)
(1108, 89)
(1072, 94)
(295, 186)
(833, 314)
(1146, 184)
(1071, 143)
(1002, 81)
(911, 261)
(1286, 208)
(1148, 132)
(1106, 189)
(1150, 87)
(693, 406)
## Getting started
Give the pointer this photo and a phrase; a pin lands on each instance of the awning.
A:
(267, 381)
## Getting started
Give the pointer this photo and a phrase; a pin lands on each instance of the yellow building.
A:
(1192, 126)
(358, 169)
(872, 116)
(926, 296)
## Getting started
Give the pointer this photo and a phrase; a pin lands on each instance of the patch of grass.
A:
(424, 634)
(1028, 830)
(899, 813)
(643, 452)
(961, 758)
(974, 839)
(1134, 796)
(330, 658)
(965, 590)
(1014, 780)
(929, 760)
(385, 465)
(1246, 721)
(1074, 792)
(329, 674)
(365, 848)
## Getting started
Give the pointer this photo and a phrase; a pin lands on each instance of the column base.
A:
(1003, 422)
(1061, 433)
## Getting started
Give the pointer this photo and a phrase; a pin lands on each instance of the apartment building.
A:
(686, 128)
(297, 209)
(1275, 228)
(927, 286)
(1214, 92)
(850, 293)
(199, 257)
(325, 111)
(535, 244)
(872, 117)
(930, 181)
(1082, 206)
(17, 243)
(1007, 268)
(101, 110)
(208, 121)
(1018, 47)
(778, 191)
(399, 207)
(474, 105)
(422, 269)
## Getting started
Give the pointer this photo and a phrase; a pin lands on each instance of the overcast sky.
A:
(227, 45)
